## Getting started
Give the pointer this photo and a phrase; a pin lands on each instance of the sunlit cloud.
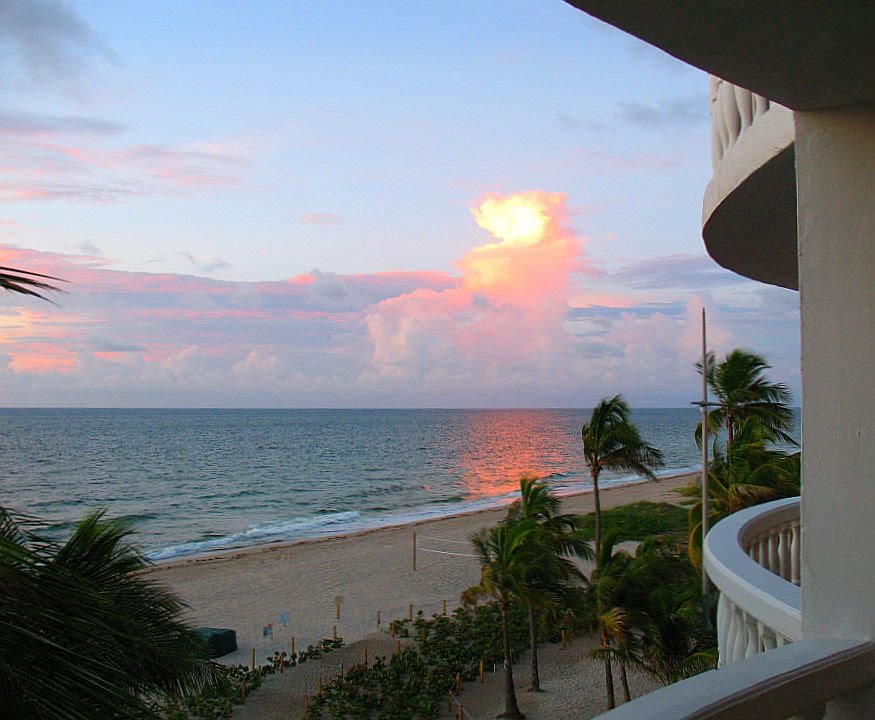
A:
(528, 319)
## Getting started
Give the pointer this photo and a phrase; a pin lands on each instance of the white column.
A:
(835, 156)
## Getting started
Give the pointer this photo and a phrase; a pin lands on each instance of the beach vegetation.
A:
(638, 521)
(508, 552)
(612, 441)
(551, 575)
(413, 684)
(84, 632)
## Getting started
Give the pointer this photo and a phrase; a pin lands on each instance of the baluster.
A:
(729, 110)
(760, 105)
(752, 645)
(724, 620)
(735, 645)
(773, 554)
(770, 641)
(744, 102)
(716, 141)
(722, 128)
(784, 551)
(764, 551)
(795, 553)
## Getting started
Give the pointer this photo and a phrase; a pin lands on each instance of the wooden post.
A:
(392, 628)
(461, 713)
(449, 702)
(292, 644)
(334, 632)
(424, 634)
(414, 552)
(282, 663)
(458, 683)
(397, 647)
(482, 673)
(564, 644)
(253, 659)
(306, 702)
(410, 612)
(443, 607)
(366, 656)
(378, 620)
(338, 600)
(242, 690)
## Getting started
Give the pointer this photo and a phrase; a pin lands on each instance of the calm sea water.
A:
(195, 481)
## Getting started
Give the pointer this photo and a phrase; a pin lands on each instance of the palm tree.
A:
(554, 536)
(25, 282)
(84, 633)
(743, 393)
(606, 614)
(505, 559)
(611, 440)
(749, 472)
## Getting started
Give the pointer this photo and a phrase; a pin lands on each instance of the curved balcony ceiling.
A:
(804, 55)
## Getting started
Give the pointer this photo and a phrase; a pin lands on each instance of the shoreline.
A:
(292, 589)
(224, 555)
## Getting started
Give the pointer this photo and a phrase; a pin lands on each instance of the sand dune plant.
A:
(84, 633)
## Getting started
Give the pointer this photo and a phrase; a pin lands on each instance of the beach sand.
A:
(373, 573)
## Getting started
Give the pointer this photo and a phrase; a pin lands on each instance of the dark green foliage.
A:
(638, 521)
(413, 684)
(84, 633)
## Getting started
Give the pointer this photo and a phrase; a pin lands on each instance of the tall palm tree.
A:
(84, 633)
(554, 537)
(611, 440)
(744, 393)
(505, 559)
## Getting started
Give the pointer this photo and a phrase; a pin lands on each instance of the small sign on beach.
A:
(284, 618)
(268, 631)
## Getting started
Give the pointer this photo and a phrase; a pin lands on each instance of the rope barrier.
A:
(454, 542)
(445, 552)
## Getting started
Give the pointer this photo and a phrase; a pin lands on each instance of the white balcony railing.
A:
(753, 558)
(733, 110)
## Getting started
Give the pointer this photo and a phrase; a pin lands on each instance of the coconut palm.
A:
(84, 633)
(750, 472)
(554, 537)
(611, 440)
(505, 562)
(743, 392)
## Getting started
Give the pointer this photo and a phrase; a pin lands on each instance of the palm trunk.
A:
(511, 709)
(597, 505)
(533, 644)
(625, 682)
(609, 675)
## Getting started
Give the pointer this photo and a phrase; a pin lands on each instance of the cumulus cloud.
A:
(524, 322)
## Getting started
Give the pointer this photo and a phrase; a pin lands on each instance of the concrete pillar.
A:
(835, 157)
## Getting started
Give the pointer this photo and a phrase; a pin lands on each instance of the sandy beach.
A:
(370, 572)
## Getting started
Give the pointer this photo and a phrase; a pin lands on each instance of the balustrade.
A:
(733, 110)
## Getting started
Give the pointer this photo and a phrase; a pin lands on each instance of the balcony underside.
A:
(752, 230)
(805, 56)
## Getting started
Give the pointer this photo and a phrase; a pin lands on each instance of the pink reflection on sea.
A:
(506, 444)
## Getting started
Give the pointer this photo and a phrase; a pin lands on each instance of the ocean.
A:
(192, 482)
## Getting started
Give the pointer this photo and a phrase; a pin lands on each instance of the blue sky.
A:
(154, 152)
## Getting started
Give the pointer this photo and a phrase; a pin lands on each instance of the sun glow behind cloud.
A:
(528, 320)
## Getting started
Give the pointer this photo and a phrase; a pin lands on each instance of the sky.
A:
(471, 203)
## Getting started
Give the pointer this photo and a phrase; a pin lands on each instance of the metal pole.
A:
(704, 451)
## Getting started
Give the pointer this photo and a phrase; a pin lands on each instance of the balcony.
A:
(766, 670)
(749, 208)
(752, 557)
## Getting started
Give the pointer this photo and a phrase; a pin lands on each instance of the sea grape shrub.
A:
(412, 684)
(215, 700)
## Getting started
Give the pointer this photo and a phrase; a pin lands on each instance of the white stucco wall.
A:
(835, 156)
